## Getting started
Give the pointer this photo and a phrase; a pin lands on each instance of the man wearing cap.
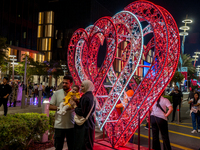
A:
(5, 90)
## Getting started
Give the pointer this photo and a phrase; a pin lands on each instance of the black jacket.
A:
(84, 106)
(4, 90)
(176, 97)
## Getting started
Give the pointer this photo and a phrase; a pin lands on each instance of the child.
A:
(66, 105)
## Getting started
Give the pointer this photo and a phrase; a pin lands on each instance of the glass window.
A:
(40, 31)
(41, 18)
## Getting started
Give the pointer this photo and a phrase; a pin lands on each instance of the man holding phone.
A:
(177, 98)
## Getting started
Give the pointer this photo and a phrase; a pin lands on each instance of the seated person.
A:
(73, 94)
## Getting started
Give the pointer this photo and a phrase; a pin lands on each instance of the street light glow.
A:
(184, 28)
(195, 56)
(12, 56)
(13, 59)
(187, 21)
(183, 33)
(15, 63)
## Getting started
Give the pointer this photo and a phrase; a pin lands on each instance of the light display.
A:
(129, 28)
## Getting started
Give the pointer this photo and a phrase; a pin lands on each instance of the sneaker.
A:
(198, 130)
(194, 131)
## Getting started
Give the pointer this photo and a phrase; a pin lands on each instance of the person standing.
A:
(64, 124)
(159, 123)
(84, 134)
(195, 106)
(5, 90)
(191, 96)
(176, 97)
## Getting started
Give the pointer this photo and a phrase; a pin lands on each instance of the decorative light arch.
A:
(126, 26)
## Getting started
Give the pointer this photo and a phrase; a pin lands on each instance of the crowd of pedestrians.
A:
(68, 102)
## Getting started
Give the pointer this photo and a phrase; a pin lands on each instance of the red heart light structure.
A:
(126, 28)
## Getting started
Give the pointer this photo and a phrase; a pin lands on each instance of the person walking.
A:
(64, 124)
(195, 107)
(5, 90)
(84, 134)
(177, 98)
(159, 122)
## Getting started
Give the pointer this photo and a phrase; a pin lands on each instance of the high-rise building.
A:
(18, 23)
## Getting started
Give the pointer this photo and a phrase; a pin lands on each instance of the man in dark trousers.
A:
(5, 90)
(64, 124)
(176, 97)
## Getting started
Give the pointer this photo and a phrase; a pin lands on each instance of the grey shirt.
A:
(62, 121)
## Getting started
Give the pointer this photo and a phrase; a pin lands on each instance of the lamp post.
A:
(13, 63)
(184, 33)
(64, 68)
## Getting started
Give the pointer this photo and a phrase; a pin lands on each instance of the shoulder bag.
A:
(80, 119)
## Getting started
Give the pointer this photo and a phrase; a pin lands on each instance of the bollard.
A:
(40, 98)
(45, 110)
(23, 99)
(178, 115)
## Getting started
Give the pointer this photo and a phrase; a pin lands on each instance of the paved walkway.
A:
(180, 134)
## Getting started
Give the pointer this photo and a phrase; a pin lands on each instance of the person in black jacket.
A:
(176, 97)
(5, 90)
(84, 134)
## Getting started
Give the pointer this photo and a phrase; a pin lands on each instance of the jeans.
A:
(60, 135)
(194, 118)
(159, 124)
(4, 102)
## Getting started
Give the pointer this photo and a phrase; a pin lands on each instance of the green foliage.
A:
(18, 130)
(51, 124)
(13, 133)
(178, 77)
(187, 62)
(168, 97)
(3, 55)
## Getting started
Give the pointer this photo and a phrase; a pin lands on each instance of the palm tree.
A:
(187, 62)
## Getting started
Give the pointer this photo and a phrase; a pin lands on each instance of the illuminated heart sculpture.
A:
(125, 30)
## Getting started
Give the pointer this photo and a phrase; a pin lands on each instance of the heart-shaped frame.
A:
(125, 26)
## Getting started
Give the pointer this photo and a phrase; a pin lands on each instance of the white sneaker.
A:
(194, 131)
(198, 130)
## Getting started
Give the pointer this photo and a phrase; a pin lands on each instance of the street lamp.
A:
(184, 33)
(13, 63)
(64, 68)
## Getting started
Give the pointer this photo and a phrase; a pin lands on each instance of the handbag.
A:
(80, 119)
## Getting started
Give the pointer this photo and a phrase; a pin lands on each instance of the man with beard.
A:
(64, 124)
(5, 90)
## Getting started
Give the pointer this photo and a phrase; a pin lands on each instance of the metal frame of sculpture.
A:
(125, 26)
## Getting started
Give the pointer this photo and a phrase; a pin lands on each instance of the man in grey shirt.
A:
(64, 124)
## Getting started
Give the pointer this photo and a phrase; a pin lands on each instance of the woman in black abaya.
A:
(84, 134)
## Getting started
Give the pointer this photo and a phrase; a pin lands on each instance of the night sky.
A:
(179, 9)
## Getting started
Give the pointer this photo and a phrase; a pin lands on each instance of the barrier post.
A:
(178, 114)
(45, 110)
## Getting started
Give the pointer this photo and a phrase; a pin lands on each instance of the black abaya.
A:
(84, 134)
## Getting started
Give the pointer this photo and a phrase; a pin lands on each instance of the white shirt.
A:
(195, 108)
(156, 111)
(62, 121)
